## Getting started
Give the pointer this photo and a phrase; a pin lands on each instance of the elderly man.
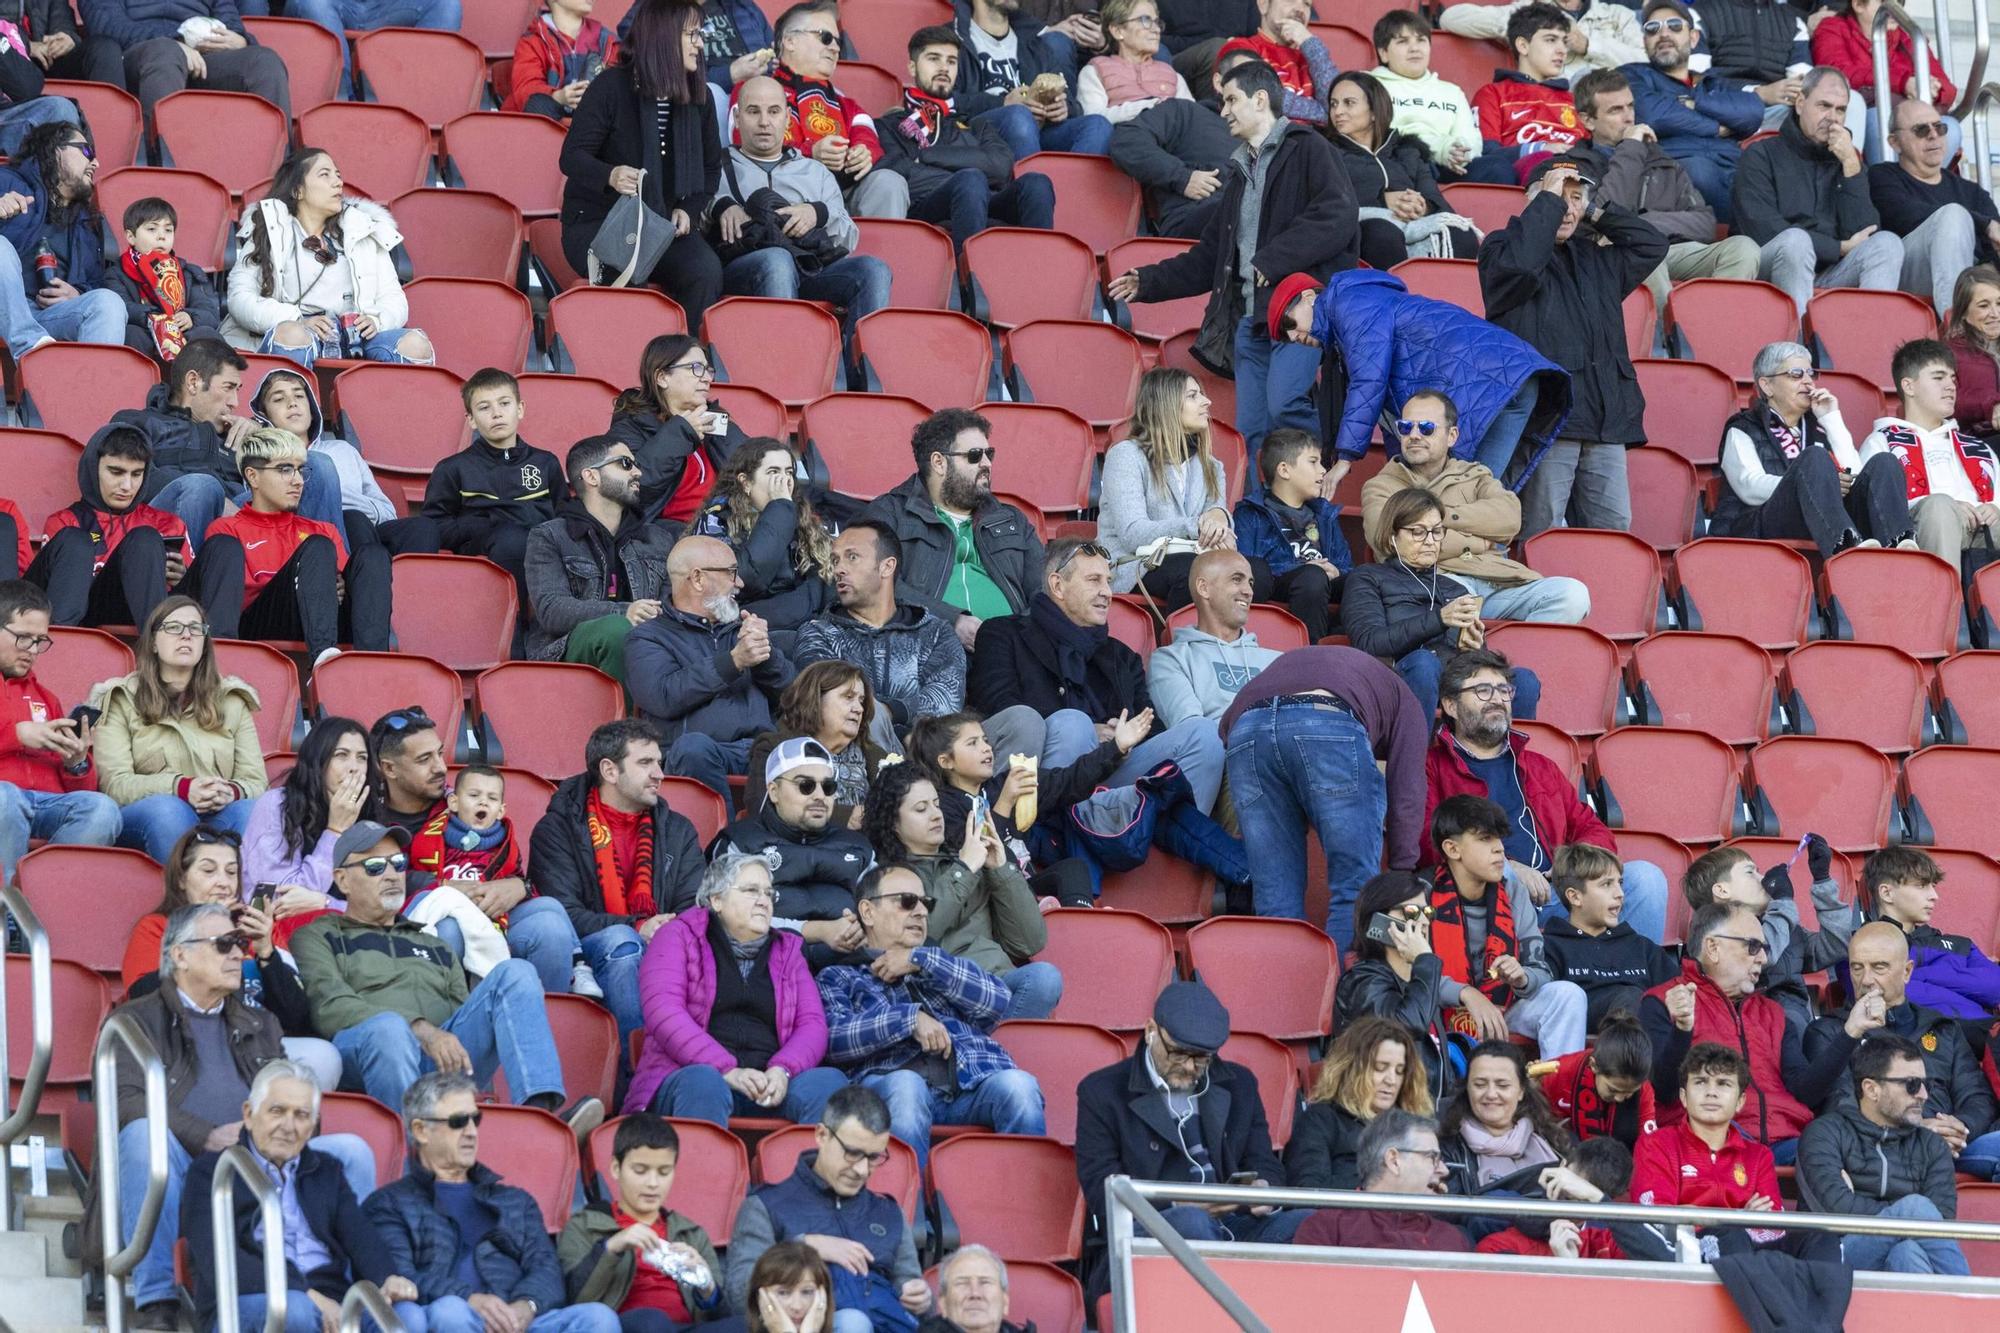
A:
(972, 1295)
(213, 1043)
(826, 1203)
(1716, 1000)
(616, 858)
(1803, 197)
(826, 124)
(914, 1023)
(1947, 223)
(704, 671)
(820, 863)
(394, 998)
(328, 1246)
(1398, 1154)
(477, 1251)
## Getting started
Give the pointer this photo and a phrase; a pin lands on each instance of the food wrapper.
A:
(1047, 89)
(1025, 806)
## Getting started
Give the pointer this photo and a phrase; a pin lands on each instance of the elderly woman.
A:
(734, 1024)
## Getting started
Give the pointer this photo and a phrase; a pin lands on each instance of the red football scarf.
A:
(621, 898)
(163, 283)
(1448, 942)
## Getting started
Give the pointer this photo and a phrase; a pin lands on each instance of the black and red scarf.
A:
(620, 897)
(1448, 941)
(927, 117)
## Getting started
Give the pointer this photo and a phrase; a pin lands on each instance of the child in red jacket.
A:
(1605, 1092)
(557, 57)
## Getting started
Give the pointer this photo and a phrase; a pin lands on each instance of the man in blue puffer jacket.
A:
(1387, 345)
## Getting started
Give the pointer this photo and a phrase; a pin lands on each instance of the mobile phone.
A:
(1378, 927)
(85, 716)
(261, 897)
(174, 545)
(982, 813)
(1242, 1177)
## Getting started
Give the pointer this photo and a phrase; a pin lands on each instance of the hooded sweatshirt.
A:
(1936, 462)
(1433, 109)
(107, 526)
(914, 662)
(181, 445)
(359, 491)
(1198, 674)
(480, 489)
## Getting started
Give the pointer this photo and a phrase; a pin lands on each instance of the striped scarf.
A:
(633, 899)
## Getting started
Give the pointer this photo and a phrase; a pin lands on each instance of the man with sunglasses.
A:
(46, 200)
(1876, 1158)
(597, 569)
(827, 125)
(1947, 223)
(1700, 120)
(819, 862)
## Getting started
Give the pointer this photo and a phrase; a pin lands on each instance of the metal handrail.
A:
(41, 1009)
(1985, 95)
(1920, 50)
(1126, 1202)
(238, 1164)
(124, 1030)
(1975, 73)
(364, 1297)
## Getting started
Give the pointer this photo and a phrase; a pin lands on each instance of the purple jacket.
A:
(677, 995)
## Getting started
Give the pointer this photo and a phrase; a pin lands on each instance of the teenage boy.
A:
(1487, 937)
(1285, 42)
(48, 783)
(168, 301)
(299, 582)
(1612, 963)
(1951, 477)
(1526, 112)
(1433, 109)
(490, 495)
(1952, 973)
(635, 1254)
(1728, 875)
(1295, 530)
(1706, 1161)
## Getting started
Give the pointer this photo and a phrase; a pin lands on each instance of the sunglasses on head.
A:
(906, 902)
(1406, 428)
(806, 786)
(404, 719)
(208, 836)
(453, 1122)
(377, 866)
(1082, 548)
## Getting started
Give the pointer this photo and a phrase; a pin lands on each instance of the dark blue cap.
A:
(1191, 1016)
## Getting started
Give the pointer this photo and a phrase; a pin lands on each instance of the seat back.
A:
(235, 138)
(1621, 571)
(586, 1037)
(405, 419)
(1453, 281)
(437, 75)
(1491, 207)
(1727, 321)
(1860, 398)
(1275, 627)
(1672, 858)
(41, 474)
(1761, 591)
(79, 660)
(604, 330)
(711, 1176)
(1171, 891)
(534, 1151)
(1887, 715)
(790, 349)
(1907, 599)
(275, 678)
(1037, 1215)
(1113, 965)
(71, 388)
(1132, 625)
(1466, 61)
(1969, 904)
(1090, 368)
(364, 686)
(1045, 454)
(1349, 49)
(1640, 315)
(1665, 489)
(567, 407)
(472, 324)
(1060, 1055)
(1687, 405)
(1156, 321)
(757, 412)
(375, 1124)
(1859, 331)
(1840, 789)
(921, 256)
(1970, 683)
(872, 87)
(939, 358)
(511, 154)
(1698, 807)
(514, 698)
(1716, 683)
(1095, 201)
(312, 56)
(494, 25)
(79, 998)
(900, 1178)
(699, 805)
(484, 600)
(1951, 786)
(1021, 274)
(383, 150)
(1277, 1074)
(113, 117)
(1274, 975)
(1554, 744)
(851, 432)
(1578, 669)
(880, 31)
(89, 899)
(461, 234)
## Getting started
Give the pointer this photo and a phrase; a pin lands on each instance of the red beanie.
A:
(1282, 297)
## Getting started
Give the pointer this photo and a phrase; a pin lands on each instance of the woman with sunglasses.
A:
(1372, 1068)
(1410, 613)
(982, 908)
(1393, 973)
(1790, 469)
(783, 549)
(830, 702)
(1404, 214)
(677, 432)
(177, 743)
(315, 274)
(288, 843)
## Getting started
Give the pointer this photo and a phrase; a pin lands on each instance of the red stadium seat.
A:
(1059, 1055)
(1727, 321)
(234, 138)
(1275, 976)
(1114, 965)
(586, 1038)
(1554, 744)
(1759, 590)
(1951, 797)
(920, 255)
(71, 388)
(566, 408)
(483, 600)
(1699, 807)
(1859, 331)
(80, 998)
(1863, 692)
(1038, 1216)
(1969, 903)
(461, 234)
(528, 795)
(1578, 668)
(1769, 853)
(1090, 368)
(1044, 1294)
(1621, 571)
(879, 31)
(438, 75)
(1453, 281)
(1979, 1202)
(1133, 625)
(1687, 405)
(514, 699)
(472, 324)
(790, 349)
(1467, 61)
(1839, 789)
(1715, 683)
(1095, 201)
(1044, 454)
(276, 680)
(534, 1151)
(1861, 399)
(200, 202)
(1156, 321)
(382, 150)
(900, 1177)
(1021, 274)
(1178, 352)
(311, 55)
(1277, 1075)
(757, 412)
(1673, 859)
(116, 125)
(699, 805)
(603, 331)
(854, 433)
(403, 418)
(1491, 207)
(1350, 49)
(711, 1177)
(41, 473)
(511, 154)
(78, 660)
(364, 686)
(1274, 626)
(940, 358)
(89, 899)
(361, 1115)
(1171, 891)
(1664, 490)
(545, 243)
(494, 25)
(1969, 683)
(1640, 316)
(872, 86)
(1907, 599)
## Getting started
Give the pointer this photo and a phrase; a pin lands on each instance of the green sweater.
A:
(990, 918)
(353, 972)
(591, 1274)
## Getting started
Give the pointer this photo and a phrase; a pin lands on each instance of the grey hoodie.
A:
(358, 488)
(1198, 675)
(801, 179)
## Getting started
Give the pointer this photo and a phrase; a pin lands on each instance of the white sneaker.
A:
(327, 656)
(583, 981)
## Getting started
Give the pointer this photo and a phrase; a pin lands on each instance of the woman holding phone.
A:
(678, 435)
(288, 843)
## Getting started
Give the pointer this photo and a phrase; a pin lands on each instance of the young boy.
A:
(488, 496)
(1951, 476)
(1487, 938)
(299, 582)
(1705, 1161)
(1293, 530)
(168, 301)
(1433, 109)
(1728, 875)
(1613, 964)
(1594, 1171)
(557, 57)
(471, 836)
(636, 1255)
(1952, 974)
(1526, 112)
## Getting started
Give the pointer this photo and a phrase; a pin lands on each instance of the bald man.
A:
(703, 671)
(1199, 674)
(1960, 1108)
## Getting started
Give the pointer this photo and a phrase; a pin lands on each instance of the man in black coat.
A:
(1558, 286)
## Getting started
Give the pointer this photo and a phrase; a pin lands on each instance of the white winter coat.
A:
(368, 238)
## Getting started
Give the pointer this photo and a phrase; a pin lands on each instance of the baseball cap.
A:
(797, 752)
(362, 836)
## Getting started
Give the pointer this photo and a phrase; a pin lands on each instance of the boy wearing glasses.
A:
(48, 784)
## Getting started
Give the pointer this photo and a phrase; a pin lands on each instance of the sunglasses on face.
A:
(806, 786)
(622, 463)
(1407, 428)
(1912, 1086)
(1653, 27)
(235, 942)
(377, 866)
(1418, 912)
(906, 902)
(1797, 373)
(1753, 945)
(1929, 129)
(81, 146)
(975, 456)
(826, 36)
(453, 1122)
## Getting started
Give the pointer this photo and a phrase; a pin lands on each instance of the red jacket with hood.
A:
(106, 525)
(1756, 1029)
(542, 55)
(25, 699)
(1559, 814)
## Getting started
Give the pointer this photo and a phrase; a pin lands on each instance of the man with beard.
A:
(703, 671)
(1702, 120)
(1478, 753)
(1004, 73)
(819, 862)
(46, 202)
(966, 556)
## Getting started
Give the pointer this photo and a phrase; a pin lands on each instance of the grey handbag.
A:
(631, 241)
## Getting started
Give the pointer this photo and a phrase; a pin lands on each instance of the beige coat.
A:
(136, 760)
(1480, 517)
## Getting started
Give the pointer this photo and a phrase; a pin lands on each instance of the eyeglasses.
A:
(1407, 428)
(1796, 373)
(701, 370)
(321, 249)
(621, 462)
(980, 454)
(1753, 945)
(284, 470)
(1432, 1154)
(1082, 548)
(1183, 1054)
(32, 643)
(234, 942)
(83, 146)
(1431, 534)
(720, 571)
(906, 902)
(1487, 693)
(1653, 27)
(824, 786)
(827, 37)
(184, 629)
(1912, 1086)
(858, 1155)
(757, 894)
(406, 719)
(1146, 21)
(453, 1122)
(377, 866)
(1929, 129)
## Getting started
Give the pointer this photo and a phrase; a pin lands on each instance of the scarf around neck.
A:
(1501, 1155)
(927, 116)
(620, 898)
(1449, 942)
(1075, 645)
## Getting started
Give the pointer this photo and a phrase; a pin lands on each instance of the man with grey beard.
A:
(704, 671)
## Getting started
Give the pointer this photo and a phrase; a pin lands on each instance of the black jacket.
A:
(1191, 22)
(1320, 1155)
(1371, 986)
(1309, 224)
(1005, 540)
(202, 303)
(1401, 163)
(1640, 177)
(562, 865)
(1905, 203)
(480, 489)
(662, 446)
(1386, 611)
(613, 127)
(1752, 41)
(181, 445)
(569, 565)
(680, 673)
(816, 876)
(515, 1260)
(1881, 1165)
(1036, 59)
(1789, 181)
(1958, 1085)
(1559, 299)
(1161, 147)
(773, 585)
(39, 19)
(962, 145)
(1014, 663)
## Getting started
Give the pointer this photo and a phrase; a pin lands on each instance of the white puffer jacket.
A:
(368, 236)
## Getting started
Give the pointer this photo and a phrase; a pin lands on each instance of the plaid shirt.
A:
(871, 1024)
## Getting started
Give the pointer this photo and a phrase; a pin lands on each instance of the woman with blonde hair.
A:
(783, 550)
(1371, 1068)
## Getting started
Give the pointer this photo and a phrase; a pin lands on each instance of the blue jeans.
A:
(18, 118)
(1982, 1156)
(336, 16)
(77, 818)
(1893, 1254)
(153, 824)
(1645, 907)
(1503, 434)
(198, 498)
(858, 283)
(1007, 1102)
(1421, 669)
(153, 1279)
(968, 204)
(697, 1092)
(1037, 990)
(453, 1315)
(503, 1025)
(381, 347)
(613, 954)
(708, 761)
(1555, 600)
(1192, 744)
(1274, 384)
(1026, 136)
(540, 934)
(94, 317)
(1198, 1223)
(1299, 765)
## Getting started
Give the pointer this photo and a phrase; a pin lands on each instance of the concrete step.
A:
(41, 1302)
(22, 1254)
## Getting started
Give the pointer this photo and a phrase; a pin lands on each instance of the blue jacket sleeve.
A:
(1368, 358)
(1257, 538)
(1332, 542)
(1742, 111)
(113, 19)
(1657, 103)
